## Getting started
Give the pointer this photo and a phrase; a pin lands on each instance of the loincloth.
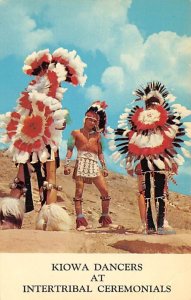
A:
(86, 167)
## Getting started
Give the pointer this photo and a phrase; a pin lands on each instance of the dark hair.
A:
(102, 116)
(151, 101)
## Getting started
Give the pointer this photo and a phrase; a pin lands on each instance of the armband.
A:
(71, 143)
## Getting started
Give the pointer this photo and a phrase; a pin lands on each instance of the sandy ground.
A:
(124, 212)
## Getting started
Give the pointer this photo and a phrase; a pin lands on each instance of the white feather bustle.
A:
(116, 156)
(186, 152)
(181, 110)
(74, 61)
(171, 133)
(122, 125)
(112, 145)
(159, 163)
(53, 218)
(123, 116)
(170, 98)
(123, 163)
(110, 130)
(127, 110)
(150, 165)
(129, 165)
(110, 136)
(187, 124)
(126, 132)
(41, 86)
(35, 56)
(167, 160)
(59, 70)
(187, 143)
(12, 209)
(179, 159)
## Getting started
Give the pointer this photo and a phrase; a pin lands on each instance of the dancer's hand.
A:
(130, 172)
(105, 173)
(67, 171)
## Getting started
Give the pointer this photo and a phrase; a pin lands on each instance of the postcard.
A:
(95, 137)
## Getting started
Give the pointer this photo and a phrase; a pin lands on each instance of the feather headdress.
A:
(99, 107)
(38, 116)
(155, 90)
(156, 132)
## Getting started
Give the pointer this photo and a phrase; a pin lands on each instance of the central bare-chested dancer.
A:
(87, 140)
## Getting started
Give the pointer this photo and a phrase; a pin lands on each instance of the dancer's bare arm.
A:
(102, 159)
(70, 145)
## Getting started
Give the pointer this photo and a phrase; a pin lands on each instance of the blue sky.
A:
(125, 43)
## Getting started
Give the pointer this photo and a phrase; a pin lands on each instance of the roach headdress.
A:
(154, 92)
(99, 107)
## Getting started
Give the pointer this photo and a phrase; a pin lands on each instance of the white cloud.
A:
(164, 56)
(18, 31)
(99, 25)
(93, 22)
(94, 92)
(113, 77)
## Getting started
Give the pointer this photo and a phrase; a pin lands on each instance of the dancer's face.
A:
(91, 120)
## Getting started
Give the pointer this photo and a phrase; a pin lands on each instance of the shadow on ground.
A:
(145, 247)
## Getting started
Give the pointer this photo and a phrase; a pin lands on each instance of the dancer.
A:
(34, 131)
(87, 140)
(150, 138)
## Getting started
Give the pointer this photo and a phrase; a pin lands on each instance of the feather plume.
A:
(122, 125)
(127, 110)
(159, 163)
(170, 132)
(168, 161)
(123, 163)
(116, 156)
(187, 143)
(34, 158)
(188, 132)
(110, 136)
(125, 133)
(150, 165)
(155, 139)
(22, 157)
(112, 145)
(43, 155)
(181, 110)
(110, 130)
(129, 165)
(123, 116)
(179, 159)
(186, 152)
(187, 124)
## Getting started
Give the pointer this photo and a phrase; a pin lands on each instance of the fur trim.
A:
(53, 218)
(11, 212)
